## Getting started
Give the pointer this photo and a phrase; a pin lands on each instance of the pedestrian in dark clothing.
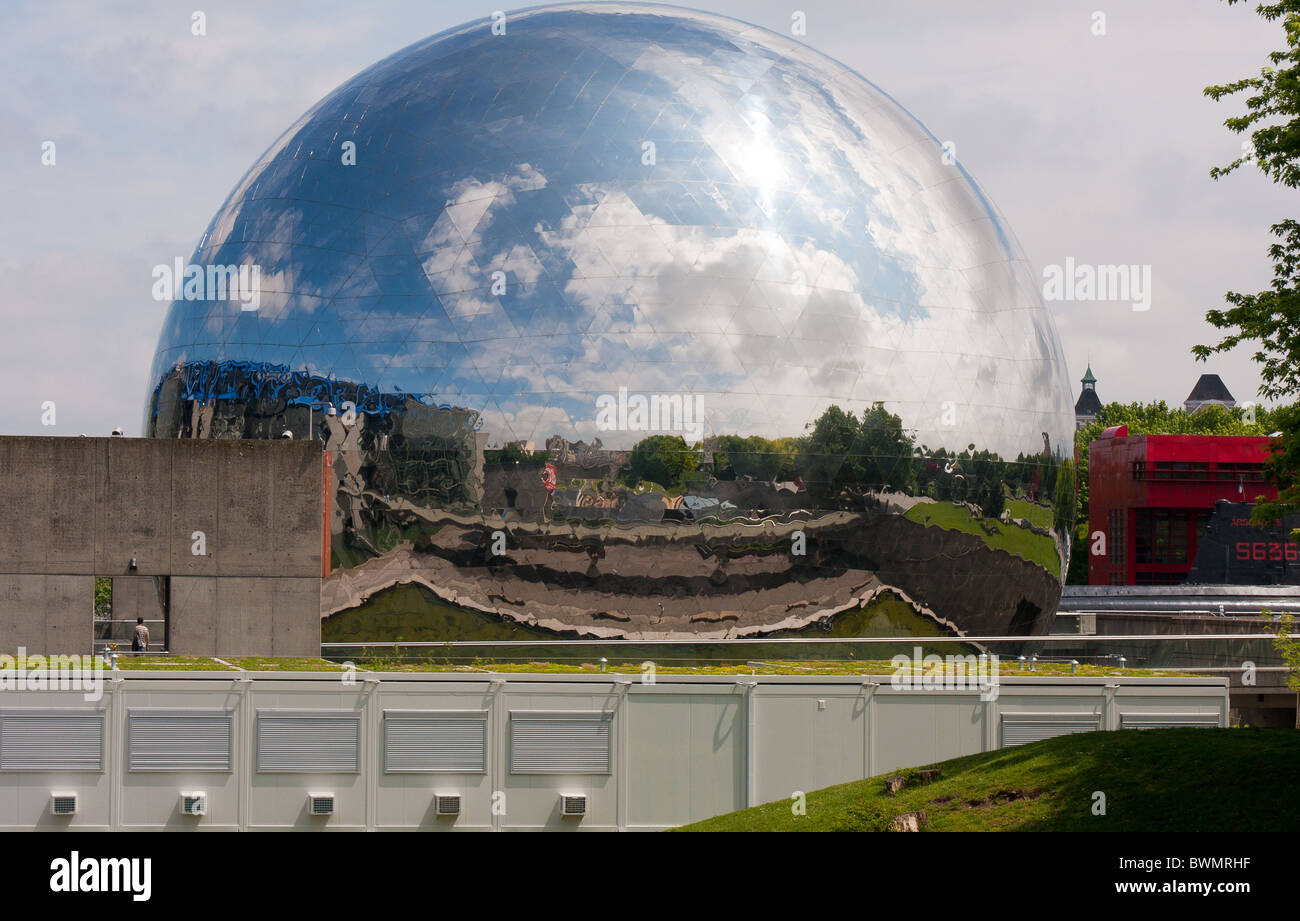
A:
(140, 642)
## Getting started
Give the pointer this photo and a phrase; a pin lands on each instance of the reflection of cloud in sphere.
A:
(553, 240)
(793, 240)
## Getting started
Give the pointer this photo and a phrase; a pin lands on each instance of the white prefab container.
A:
(458, 752)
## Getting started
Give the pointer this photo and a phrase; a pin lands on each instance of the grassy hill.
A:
(1154, 780)
(1012, 538)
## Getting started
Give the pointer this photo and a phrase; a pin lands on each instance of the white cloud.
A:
(1094, 147)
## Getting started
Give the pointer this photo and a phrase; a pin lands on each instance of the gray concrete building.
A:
(217, 544)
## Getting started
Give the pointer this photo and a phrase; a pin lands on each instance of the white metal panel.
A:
(1022, 728)
(319, 742)
(675, 740)
(51, 741)
(560, 743)
(683, 757)
(173, 740)
(807, 743)
(1168, 720)
(435, 741)
(911, 728)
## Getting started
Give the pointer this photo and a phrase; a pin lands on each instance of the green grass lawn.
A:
(410, 612)
(234, 663)
(1038, 515)
(1009, 537)
(394, 663)
(1154, 780)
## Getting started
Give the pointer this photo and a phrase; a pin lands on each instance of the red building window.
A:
(1171, 471)
(1118, 545)
(1237, 473)
(1161, 536)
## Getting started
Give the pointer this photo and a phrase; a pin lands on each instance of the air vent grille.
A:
(308, 743)
(429, 742)
(1023, 728)
(51, 741)
(1168, 720)
(170, 741)
(560, 743)
(194, 803)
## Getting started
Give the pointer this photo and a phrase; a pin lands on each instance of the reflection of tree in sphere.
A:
(824, 318)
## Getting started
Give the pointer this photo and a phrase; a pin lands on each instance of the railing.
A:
(1229, 654)
(121, 631)
(847, 640)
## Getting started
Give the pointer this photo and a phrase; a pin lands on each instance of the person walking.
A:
(140, 642)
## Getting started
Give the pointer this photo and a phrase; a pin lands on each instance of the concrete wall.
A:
(46, 613)
(683, 749)
(239, 616)
(72, 509)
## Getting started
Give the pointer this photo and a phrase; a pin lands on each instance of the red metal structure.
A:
(1152, 496)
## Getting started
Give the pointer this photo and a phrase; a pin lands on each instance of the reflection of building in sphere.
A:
(652, 290)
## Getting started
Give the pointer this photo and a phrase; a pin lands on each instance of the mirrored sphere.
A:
(624, 320)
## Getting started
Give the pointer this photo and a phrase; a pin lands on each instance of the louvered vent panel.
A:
(567, 744)
(51, 742)
(309, 744)
(1022, 728)
(1168, 720)
(435, 742)
(195, 741)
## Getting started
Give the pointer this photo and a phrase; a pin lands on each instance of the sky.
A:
(1096, 148)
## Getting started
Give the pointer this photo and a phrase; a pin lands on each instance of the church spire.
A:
(1088, 404)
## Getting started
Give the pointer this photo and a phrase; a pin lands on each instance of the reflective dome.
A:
(654, 281)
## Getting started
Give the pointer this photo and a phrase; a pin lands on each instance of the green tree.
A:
(1270, 318)
(844, 451)
(103, 597)
(1289, 646)
(1064, 501)
(757, 457)
(661, 459)
(826, 458)
(1283, 469)
(992, 500)
(885, 449)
